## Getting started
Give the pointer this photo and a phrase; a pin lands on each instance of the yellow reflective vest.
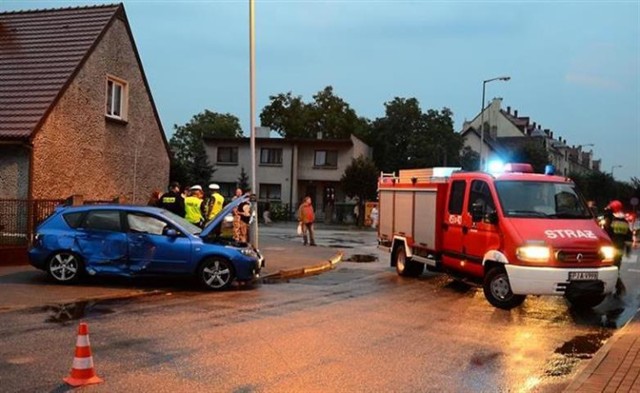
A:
(193, 212)
(215, 205)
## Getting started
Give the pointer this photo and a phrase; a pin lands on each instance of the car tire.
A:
(216, 273)
(65, 267)
(405, 266)
(497, 290)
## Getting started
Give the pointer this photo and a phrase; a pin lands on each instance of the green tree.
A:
(406, 137)
(360, 179)
(291, 117)
(243, 181)
(469, 159)
(190, 164)
(531, 152)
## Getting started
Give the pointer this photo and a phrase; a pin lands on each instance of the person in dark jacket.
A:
(173, 200)
(618, 229)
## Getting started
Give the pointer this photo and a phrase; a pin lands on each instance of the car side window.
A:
(480, 194)
(142, 223)
(103, 220)
(457, 197)
(73, 219)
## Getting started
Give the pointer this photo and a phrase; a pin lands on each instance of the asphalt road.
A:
(359, 328)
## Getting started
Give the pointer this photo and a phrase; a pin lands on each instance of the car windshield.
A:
(532, 199)
(193, 229)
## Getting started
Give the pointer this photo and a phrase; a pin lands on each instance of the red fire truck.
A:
(514, 232)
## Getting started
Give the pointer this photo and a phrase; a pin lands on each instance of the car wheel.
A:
(497, 290)
(406, 267)
(216, 273)
(65, 267)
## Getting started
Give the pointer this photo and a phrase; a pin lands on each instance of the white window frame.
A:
(124, 98)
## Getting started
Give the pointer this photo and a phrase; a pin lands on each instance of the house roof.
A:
(41, 51)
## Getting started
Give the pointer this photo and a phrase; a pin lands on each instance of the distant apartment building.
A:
(287, 169)
(504, 130)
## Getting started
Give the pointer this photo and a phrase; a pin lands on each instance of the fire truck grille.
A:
(577, 256)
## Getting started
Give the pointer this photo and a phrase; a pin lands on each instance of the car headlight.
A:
(607, 253)
(249, 252)
(533, 253)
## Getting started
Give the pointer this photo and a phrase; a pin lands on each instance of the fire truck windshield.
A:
(530, 199)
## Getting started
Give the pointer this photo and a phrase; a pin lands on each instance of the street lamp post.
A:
(252, 110)
(484, 84)
(614, 167)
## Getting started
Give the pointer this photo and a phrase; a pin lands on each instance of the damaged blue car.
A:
(134, 241)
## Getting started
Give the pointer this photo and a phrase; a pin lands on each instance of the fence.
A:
(20, 217)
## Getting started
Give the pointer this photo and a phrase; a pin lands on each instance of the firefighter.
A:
(618, 229)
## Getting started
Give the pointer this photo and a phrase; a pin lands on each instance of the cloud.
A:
(592, 81)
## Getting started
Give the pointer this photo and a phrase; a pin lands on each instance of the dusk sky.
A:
(574, 65)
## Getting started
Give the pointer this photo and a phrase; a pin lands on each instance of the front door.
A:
(481, 235)
(151, 250)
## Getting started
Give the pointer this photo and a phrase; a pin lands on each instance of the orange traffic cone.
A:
(82, 372)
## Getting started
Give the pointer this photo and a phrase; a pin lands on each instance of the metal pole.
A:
(252, 105)
(481, 163)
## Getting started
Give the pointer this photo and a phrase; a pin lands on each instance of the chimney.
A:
(539, 126)
(551, 134)
(534, 125)
(508, 110)
(515, 113)
(319, 135)
(546, 131)
(263, 132)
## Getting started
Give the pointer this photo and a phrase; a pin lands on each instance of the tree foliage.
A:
(190, 164)
(469, 159)
(531, 152)
(291, 117)
(360, 179)
(602, 188)
(406, 137)
(243, 181)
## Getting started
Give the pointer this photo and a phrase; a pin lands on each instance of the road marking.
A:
(634, 270)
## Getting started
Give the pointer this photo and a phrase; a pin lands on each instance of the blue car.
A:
(139, 240)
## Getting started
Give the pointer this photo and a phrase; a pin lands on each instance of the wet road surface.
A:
(357, 328)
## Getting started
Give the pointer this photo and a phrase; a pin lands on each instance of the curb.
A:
(306, 270)
(592, 365)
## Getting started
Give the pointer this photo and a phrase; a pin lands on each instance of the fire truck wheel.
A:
(406, 267)
(497, 290)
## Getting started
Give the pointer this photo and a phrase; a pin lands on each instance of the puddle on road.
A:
(360, 258)
(569, 354)
(62, 313)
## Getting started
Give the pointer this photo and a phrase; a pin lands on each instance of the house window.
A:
(326, 158)
(270, 192)
(117, 98)
(228, 191)
(271, 156)
(227, 155)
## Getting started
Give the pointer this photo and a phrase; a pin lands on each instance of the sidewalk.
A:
(616, 367)
(24, 286)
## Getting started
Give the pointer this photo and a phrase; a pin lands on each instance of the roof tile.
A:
(41, 49)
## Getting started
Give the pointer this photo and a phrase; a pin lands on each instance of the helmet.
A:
(615, 206)
(214, 186)
(196, 188)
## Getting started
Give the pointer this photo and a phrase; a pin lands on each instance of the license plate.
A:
(583, 276)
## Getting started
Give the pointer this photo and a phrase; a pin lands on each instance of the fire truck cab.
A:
(514, 232)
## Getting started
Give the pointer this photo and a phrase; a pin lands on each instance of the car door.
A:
(102, 242)
(151, 249)
(480, 235)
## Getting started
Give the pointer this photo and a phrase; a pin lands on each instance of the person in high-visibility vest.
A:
(193, 206)
(214, 203)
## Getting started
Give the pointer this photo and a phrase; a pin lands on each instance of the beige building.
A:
(505, 129)
(286, 169)
(76, 111)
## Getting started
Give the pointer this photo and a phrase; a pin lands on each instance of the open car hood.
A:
(217, 220)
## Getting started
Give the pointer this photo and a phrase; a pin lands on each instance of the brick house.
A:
(76, 111)
(289, 169)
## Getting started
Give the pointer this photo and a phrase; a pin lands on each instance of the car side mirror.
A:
(171, 232)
